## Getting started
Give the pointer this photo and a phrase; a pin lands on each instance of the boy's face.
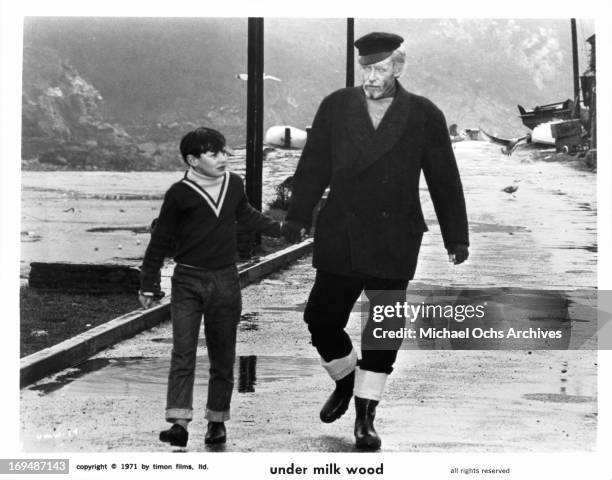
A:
(209, 163)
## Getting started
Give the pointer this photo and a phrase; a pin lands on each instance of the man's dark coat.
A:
(372, 223)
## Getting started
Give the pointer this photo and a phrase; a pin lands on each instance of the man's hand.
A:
(458, 253)
(146, 300)
(293, 231)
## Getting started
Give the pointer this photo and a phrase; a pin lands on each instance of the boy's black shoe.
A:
(339, 400)
(215, 433)
(176, 436)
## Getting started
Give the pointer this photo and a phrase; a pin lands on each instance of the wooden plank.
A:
(83, 278)
(274, 261)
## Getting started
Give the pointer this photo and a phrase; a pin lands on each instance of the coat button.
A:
(385, 214)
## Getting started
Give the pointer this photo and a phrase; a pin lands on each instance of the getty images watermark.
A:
(486, 319)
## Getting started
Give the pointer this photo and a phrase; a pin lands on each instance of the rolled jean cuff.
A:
(173, 414)
(340, 367)
(216, 415)
(369, 385)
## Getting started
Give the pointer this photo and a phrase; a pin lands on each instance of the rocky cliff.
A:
(63, 120)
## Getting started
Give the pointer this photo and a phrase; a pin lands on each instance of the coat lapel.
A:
(358, 121)
(371, 143)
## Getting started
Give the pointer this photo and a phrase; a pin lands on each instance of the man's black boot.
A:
(215, 433)
(339, 400)
(176, 436)
(366, 437)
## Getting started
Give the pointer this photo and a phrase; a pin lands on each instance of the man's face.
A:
(379, 78)
(209, 163)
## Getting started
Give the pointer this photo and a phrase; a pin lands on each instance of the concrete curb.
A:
(79, 348)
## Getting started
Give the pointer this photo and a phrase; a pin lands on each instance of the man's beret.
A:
(376, 46)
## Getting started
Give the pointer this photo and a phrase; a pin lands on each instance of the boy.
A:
(197, 222)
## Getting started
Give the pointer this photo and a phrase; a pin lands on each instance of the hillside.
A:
(121, 91)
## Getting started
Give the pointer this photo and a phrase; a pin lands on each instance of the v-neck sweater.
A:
(377, 109)
(211, 185)
(190, 230)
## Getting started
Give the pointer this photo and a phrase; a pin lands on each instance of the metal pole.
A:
(254, 146)
(254, 154)
(575, 61)
(593, 113)
(350, 52)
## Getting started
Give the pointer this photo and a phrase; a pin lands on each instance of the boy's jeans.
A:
(216, 295)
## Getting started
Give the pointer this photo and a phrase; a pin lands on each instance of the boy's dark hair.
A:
(201, 140)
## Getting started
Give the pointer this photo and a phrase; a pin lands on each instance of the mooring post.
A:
(255, 92)
(350, 52)
(593, 103)
(575, 63)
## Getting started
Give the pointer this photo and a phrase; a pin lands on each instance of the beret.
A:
(376, 46)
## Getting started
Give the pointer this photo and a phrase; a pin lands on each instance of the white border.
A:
(524, 466)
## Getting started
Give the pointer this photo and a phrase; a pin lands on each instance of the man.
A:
(369, 144)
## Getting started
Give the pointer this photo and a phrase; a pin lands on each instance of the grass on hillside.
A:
(50, 318)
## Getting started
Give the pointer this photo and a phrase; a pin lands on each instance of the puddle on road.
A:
(30, 237)
(482, 227)
(544, 318)
(588, 248)
(563, 396)
(149, 376)
(248, 321)
(136, 259)
(135, 229)
(300, 307)
(585, 206)
(247, 376)
(71, 375)
(558, 398)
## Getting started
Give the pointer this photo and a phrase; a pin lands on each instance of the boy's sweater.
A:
(199, 229)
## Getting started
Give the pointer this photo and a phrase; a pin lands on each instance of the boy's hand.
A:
(293, 231)
(146, 299)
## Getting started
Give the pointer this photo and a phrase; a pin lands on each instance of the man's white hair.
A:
(398, 57)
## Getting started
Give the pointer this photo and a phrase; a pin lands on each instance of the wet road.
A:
(438, 399)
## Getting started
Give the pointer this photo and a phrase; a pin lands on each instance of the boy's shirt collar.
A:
(211, 189)
(202, 179)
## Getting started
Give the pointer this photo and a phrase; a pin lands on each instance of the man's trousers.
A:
(327, 313)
